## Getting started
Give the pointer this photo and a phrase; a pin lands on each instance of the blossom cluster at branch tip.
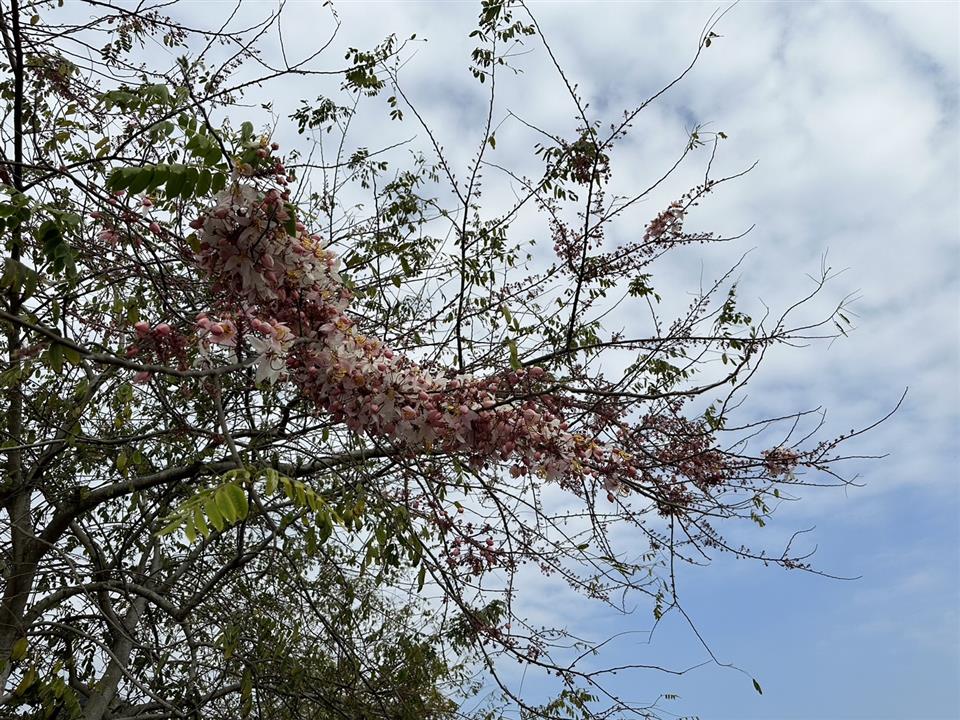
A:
(280, 292)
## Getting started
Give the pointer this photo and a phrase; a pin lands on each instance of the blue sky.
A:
(851, 110)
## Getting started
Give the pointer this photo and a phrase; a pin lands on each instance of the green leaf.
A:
(237, 499)
(171, 527)
(203, 183)
(159, 177)
(191, 176)
(71, 355)
(28, 679)
(19, 649)
(213, 155)
(325, 523)
(213, 513)
(121, 178)
(224, 504)
(273, 479)
(141, 181)
(201, 522)
(514, 357)
(175, 180)
(55, 358)
(159, 91)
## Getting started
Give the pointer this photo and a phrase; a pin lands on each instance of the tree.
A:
(280, 433)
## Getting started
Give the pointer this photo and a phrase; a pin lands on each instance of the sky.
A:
(850, 110)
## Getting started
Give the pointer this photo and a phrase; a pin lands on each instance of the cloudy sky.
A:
(850, 110)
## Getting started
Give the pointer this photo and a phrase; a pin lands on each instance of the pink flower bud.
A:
(142, 377)
(142, 327)
(163, 330)
(155, 228)
(197, 223)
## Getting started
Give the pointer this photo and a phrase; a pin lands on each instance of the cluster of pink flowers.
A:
(279, 290)
(159, 344)
(780, 461)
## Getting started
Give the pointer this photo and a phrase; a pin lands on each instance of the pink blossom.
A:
(287, 292)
